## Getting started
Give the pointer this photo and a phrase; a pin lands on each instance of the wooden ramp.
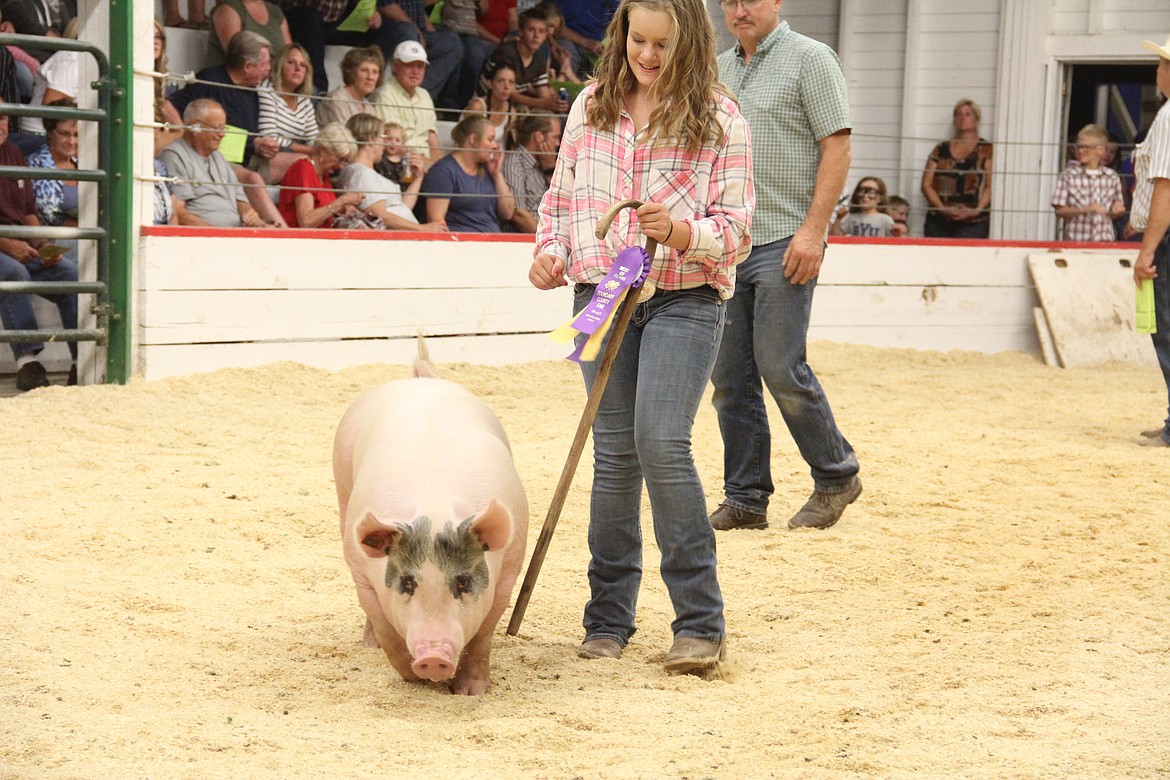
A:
(1088, 301)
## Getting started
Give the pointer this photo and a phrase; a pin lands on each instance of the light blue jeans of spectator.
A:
(1161, 339)
(16, 310)
(643, 431)
(764, 345)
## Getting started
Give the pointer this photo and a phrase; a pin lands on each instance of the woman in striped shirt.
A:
(655, 126)
(286, 108)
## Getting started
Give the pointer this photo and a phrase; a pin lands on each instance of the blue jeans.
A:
(1161, 339)
(475, 52)
(643, 430)
(16, 311)
(766, 339)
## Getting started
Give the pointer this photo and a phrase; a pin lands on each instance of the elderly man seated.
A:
(404, 101)
(29, 261)
(247, 65)
(207, 191)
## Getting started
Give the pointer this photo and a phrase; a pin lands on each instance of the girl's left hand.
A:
(654, 220)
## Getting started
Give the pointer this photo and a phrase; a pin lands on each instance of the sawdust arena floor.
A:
(174, 604)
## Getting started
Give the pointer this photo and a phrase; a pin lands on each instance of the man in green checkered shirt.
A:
(792, 92)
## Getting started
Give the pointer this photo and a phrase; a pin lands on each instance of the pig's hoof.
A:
(369, 638)
(469, 686)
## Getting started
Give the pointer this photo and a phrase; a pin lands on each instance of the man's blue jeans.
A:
(643, 430)
(16, 311)
(1161, 339)
(765, 339)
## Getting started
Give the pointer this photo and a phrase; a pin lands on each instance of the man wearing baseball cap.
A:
(1151, 213)
(404, 100)
(410, 20)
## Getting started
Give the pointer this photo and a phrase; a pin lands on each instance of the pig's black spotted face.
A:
(456, 552)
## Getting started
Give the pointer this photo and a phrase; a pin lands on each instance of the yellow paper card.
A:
(233, 143)
(356, 21)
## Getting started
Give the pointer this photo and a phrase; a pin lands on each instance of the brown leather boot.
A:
(694, 655)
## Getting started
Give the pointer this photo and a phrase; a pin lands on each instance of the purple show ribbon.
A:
(629, 270)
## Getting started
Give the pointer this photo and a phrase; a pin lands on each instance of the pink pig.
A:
(434, 522)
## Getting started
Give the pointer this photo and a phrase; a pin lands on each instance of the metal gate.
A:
(102, 308)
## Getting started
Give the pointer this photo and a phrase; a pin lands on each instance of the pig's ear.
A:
(377, 539)
(493, 527)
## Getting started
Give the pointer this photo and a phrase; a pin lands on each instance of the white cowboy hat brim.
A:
(1161, 51)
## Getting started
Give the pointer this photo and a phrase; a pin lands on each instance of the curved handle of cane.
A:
(611, 213)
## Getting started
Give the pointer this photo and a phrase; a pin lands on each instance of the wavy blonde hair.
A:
(688, 80)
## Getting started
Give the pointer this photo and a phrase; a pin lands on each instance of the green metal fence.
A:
(112, 215)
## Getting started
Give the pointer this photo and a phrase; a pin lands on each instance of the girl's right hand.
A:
(547, 272)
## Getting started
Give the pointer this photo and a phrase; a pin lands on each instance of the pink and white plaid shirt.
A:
(711, 190)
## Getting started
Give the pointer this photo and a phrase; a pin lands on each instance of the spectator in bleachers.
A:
(248, 63)
(865, 216)
(460, 16)
(316, 24)
(497, 106)
(398, 164)
(899, 211)
(384, 198)
(40, 17)
(528, 164)
(57, 198)
(258, 16)
(17, 68)
(523, 55)
(286, 107)
(21, 261)
(411, 22)
(404, 101)
(164, 204)
(561, 66)
(162, 90)
(466, 189)
(1088, 193)
(196, 14)
(306, 200)
(207, 192)
(57, 79)
(957, 180)
(361, 70)
(584, 30)
(497, 20)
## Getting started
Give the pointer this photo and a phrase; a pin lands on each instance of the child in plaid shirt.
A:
(1088, 194)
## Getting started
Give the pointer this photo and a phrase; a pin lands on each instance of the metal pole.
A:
(117, 157)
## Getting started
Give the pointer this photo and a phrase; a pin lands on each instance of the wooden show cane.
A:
(617, 331)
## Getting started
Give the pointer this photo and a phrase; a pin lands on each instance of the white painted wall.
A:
(220, 301)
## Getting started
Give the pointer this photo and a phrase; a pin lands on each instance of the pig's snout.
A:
(432, 661)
